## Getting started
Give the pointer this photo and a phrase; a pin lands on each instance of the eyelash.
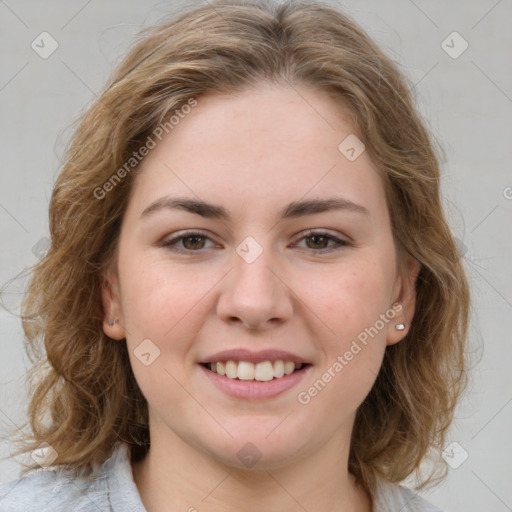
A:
(171, 244)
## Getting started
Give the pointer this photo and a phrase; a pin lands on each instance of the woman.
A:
(252, 300)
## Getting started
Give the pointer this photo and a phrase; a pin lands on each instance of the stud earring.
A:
(400, 327)
(112, 322)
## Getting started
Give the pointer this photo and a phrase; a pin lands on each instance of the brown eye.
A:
(322, 242)
(318, 242)
(188, 242)
(193, 242)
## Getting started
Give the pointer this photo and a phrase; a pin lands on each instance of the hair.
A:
(84, 397)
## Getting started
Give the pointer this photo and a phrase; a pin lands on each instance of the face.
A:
(250, 237)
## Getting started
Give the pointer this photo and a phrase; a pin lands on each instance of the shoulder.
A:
(391, 497)
(54, 490)
(59, 491)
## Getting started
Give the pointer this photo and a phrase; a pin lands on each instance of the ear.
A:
(404, 295)
(113, 322)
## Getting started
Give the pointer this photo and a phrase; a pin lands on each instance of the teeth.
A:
(262, 372)
(231, 369)
(289, 366)
(220, 368)
(245, 370)
(278, 369)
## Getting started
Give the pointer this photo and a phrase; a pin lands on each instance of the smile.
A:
(263, 371)
(254, 381)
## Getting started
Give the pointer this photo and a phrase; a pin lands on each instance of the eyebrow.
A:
(293, 210)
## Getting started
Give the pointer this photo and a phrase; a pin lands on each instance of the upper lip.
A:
(241, 354)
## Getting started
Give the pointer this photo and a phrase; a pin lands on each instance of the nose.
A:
(255, 295)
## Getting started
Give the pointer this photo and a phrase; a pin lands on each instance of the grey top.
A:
(114, 490)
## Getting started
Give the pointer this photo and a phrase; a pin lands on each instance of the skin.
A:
(253, 153)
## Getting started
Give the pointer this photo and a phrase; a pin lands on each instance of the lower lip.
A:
(252, 389)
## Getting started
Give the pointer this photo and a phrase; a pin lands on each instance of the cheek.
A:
(163, 301)
(165, 305)
(352, 306)
(153, 293)
(348, 300)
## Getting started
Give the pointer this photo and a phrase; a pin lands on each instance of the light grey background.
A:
(468, 104)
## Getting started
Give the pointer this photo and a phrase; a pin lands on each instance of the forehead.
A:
(266, 144)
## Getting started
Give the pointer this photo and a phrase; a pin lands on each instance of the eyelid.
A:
(179, 235)
(324, 232)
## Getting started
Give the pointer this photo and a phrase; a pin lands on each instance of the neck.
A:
(176, 476)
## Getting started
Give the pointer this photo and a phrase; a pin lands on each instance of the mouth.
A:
(261, 380)
(263, 371)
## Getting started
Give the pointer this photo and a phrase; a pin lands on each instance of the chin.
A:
(256, 451)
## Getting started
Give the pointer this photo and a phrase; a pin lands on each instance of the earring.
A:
(112, 322)
(400, 327)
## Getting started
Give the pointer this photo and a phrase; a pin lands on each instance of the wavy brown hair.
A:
(85, 398)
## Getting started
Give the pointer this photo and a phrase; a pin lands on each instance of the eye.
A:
(193, 241)
(318, 241)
